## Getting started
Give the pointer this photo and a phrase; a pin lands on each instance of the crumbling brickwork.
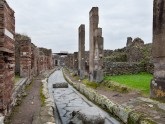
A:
(7, 59)
(44, 60)
(25, 57)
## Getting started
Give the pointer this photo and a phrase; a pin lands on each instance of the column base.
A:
(81, 74)
(157, 87)
(98, 76)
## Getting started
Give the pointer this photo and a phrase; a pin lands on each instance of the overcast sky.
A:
(54, 24)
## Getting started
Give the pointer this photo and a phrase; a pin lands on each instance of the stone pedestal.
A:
(158, 89)
(158, 83)
(98, 75)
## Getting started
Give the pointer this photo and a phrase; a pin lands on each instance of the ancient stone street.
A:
(82, 62)
(68, 100)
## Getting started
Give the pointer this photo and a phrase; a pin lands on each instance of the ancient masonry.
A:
(24, 56)
(96, 47)
(75, 61)
(158, 83)
(81, 53)
(44, 60)
(7, 59)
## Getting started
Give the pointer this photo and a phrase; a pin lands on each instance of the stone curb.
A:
(126, 115)
(49, 103)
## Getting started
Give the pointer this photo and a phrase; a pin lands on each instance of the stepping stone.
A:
(60, 85)
(89, 115)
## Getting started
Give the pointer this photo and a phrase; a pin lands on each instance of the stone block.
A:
(98, 75)
(87, 116)
(82, 87)
(60, 85)
(109, 105)
(134, 117)
(121, 112)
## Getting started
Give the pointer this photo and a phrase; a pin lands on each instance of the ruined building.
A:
(45, 60)
(23, 55)
(158, 50)
(7, 59)
(31, 60)
(134, 49)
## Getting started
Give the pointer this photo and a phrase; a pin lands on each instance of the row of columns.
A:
(95, 48)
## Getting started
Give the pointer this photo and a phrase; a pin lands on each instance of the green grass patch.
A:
(93, 85)
(17, 78)
(140, 82)
(42, 96)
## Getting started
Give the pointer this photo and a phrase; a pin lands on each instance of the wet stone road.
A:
(68, 100)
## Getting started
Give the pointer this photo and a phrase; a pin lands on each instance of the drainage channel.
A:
(68, 100)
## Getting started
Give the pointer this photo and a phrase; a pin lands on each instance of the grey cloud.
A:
(54, 23)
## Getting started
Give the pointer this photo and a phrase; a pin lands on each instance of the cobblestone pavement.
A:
(68, 100)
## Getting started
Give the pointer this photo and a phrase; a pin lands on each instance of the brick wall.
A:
(7, 59)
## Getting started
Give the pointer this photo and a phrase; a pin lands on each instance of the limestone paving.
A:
(68, 100)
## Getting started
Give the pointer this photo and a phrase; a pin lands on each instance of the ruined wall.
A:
(24, 44)
(120, 68)
(7, 59)
(135, 50)
(30, 60)
(45, 60)
(34, 58)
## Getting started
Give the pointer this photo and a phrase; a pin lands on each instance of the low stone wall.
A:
(126, 115)
(120, 68)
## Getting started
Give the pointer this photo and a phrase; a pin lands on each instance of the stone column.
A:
(81, 53)
(98, 56)
(93, 25)
(75, 62)
(158, 50)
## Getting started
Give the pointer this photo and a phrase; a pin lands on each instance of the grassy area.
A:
(140, 82)
(90, 84)
(17, 78)
(42, 96)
